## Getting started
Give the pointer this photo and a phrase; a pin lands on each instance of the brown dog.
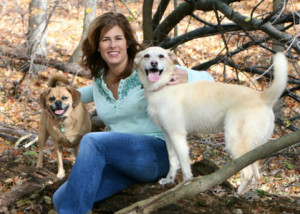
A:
(64, 118)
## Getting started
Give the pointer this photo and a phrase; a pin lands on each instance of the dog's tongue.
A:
(153, 76)
(59, 112)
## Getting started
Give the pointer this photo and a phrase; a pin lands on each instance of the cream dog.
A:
(245, 115)
(64, 118)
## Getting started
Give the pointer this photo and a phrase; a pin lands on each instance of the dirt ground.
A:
(29, 190)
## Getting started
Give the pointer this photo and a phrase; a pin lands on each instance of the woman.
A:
(134, 149)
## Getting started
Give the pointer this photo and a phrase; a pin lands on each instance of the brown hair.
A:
(91, 57)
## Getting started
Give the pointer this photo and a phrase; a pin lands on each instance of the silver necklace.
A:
(112, 84)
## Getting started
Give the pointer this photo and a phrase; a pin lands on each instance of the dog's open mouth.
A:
(60, 112)
(153, 74)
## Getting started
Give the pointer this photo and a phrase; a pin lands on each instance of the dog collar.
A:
(62, 128)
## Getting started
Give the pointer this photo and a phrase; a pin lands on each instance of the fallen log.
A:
(37, 181)
(145, 190)
(21, 53)
(195, 185)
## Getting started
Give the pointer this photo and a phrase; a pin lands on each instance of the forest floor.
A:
(36, 186)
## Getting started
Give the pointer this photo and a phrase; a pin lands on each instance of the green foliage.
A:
(31, 153)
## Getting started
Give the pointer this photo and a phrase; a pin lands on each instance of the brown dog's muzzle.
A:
(59, 109)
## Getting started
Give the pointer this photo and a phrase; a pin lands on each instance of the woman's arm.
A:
(86, 94)
(183, 74)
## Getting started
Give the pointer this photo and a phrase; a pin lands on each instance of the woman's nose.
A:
(112, 44)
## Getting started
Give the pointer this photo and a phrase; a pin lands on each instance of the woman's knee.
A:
(56, 200)
(90, 142)
(88, 139)
(98, 140)
(57, 197)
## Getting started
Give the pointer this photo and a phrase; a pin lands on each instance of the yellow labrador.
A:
(245, 115)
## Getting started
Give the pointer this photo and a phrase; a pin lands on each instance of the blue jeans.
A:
(108, 162)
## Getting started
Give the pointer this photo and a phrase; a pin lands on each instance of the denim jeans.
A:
(108, 162)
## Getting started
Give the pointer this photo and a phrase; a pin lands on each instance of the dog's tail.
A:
(53, 82)
(272, 94)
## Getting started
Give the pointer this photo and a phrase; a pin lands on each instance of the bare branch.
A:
(211, 30)
(159, 13)
(184, 9)
(258, 24)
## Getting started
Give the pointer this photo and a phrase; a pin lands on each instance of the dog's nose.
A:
(154, 63)
(58, 103)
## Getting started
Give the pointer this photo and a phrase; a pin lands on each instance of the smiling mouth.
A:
(153, 74)
(60, 112)
(113, 53)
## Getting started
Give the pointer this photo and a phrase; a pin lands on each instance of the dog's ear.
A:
(43, 103)
(42, 99)
(173, 57)
(137, 59)
(75, 96)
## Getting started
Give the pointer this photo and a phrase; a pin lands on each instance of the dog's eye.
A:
(64, 98)
(146, 56)
(52, 99)
(161, 56)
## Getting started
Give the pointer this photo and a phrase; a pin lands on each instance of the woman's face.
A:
(113, 47)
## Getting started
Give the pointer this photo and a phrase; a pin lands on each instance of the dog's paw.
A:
(60, 175)
(39, 163)
(243, 189)
(165, 181)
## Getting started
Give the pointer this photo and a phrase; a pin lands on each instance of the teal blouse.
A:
(128, 113)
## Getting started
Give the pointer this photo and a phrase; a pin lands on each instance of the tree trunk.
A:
(89, 15)
(147, 22)
(37, 38)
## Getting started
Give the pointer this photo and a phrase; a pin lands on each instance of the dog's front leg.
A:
(181, 148)
(42, 138)
(60, 166)
(173, 162)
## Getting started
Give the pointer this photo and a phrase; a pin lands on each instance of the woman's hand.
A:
(179, 76)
